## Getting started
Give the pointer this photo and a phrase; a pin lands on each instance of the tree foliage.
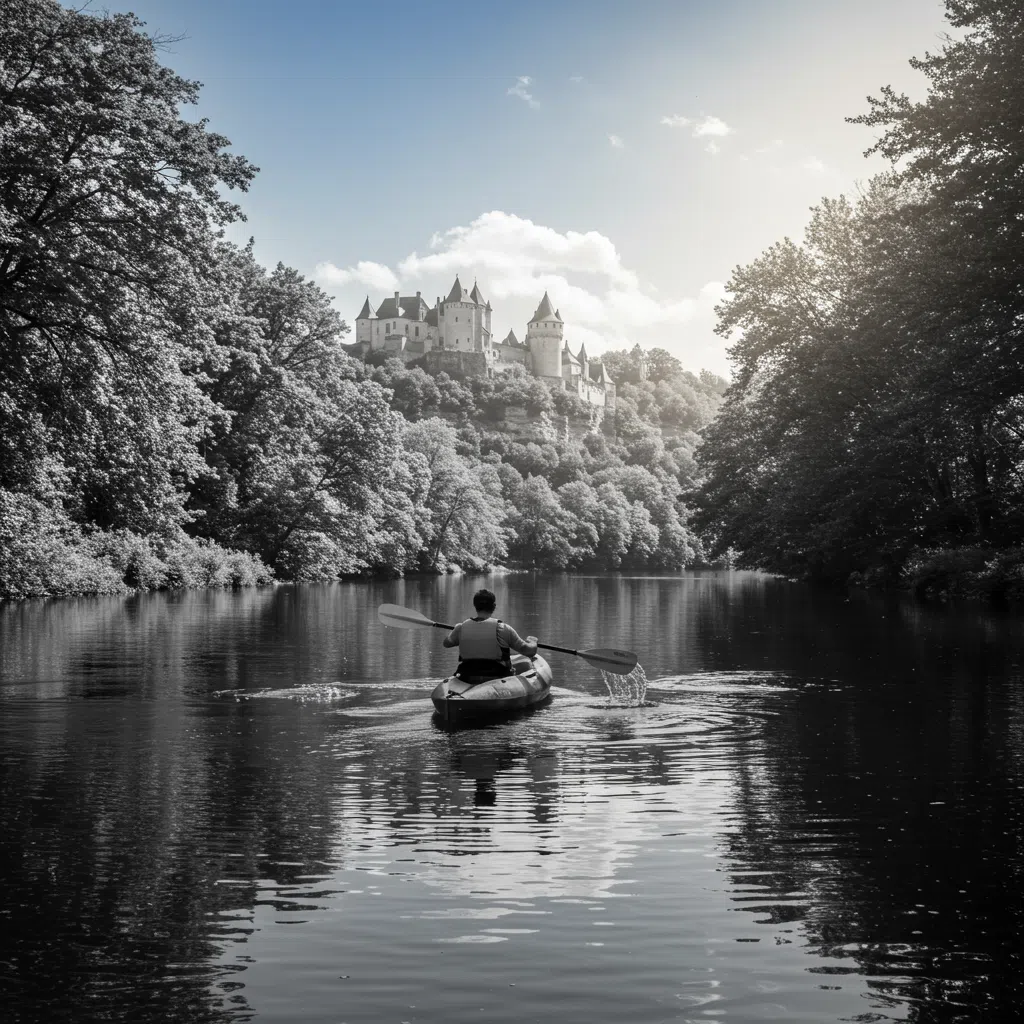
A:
(107, 197)
(877, 404)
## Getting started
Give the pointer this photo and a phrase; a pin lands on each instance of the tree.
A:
(542, 528)
(414, 393)
(662, 365)
(106, 200)
(304, 446)
(463, 501)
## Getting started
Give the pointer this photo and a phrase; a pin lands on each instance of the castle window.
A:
(417, 332)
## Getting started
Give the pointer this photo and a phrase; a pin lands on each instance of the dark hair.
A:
(484, 601)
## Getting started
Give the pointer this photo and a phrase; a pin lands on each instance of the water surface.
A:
(225, 806)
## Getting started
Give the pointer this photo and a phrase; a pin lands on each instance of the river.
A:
(232, 806)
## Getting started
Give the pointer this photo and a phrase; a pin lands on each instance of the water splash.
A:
(311, 693)
(626, 691)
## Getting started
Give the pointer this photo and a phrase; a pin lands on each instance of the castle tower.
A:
(364, 323)
(459, 321)
(483, 318)
(584, 362)
(544, 340)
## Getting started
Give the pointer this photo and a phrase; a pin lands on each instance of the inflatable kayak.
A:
(529, 683)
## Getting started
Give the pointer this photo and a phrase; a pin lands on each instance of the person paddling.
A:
(484, 642)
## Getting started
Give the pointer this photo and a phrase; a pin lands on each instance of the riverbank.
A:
(44, 554)
(977, 573)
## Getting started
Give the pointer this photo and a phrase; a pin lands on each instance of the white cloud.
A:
(814, 165)
(522, 90)
(711, 126)
(504, 244)
(375, 276)
(616, 142)
(576, 79)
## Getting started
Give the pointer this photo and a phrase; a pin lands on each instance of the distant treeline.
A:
(875, 428)
(173, 414)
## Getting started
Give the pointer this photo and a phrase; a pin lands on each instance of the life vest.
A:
(478, 641)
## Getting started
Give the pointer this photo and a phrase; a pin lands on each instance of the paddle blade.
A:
(402, 618)
(619, 663)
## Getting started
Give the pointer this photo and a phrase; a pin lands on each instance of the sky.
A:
(623, 155)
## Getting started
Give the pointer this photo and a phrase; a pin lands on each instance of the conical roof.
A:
(367, 312)
(476, 296)
(545, 311)
(583, 353)
(510, 339)
(458, 293)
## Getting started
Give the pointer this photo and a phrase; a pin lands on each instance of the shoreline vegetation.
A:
(173, 414)
(873, 434)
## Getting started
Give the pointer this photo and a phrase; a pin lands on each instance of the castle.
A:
(455, 334)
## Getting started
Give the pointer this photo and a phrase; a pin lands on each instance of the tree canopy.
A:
(876, 409)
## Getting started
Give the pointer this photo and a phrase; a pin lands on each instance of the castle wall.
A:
(455, 363)
(506, 356)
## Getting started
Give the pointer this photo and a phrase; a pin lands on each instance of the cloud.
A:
(576, 79)
(616, 142)
(521, 89)
(375, 276)
(504, 245)
(711, 126)
(707, 126)
(814, 165)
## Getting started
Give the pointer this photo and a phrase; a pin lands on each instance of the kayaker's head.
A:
(484, 602)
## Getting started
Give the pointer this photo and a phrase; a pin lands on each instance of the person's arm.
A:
(508, 637)
(452, 639)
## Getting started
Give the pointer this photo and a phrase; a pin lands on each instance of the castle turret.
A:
(584, 362)
(364, 323)
(544, 339)
(484, 314)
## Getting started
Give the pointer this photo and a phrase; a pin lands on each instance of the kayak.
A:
(529, 683)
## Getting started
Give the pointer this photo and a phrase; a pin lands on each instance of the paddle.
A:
(619, 663)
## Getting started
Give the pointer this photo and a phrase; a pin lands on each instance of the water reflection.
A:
(213, 806)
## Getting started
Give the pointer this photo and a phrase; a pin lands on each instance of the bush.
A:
(202, 563)
(945, 572)
(44, 554)
(1002, 578)
(131, 556)
(41, 553)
